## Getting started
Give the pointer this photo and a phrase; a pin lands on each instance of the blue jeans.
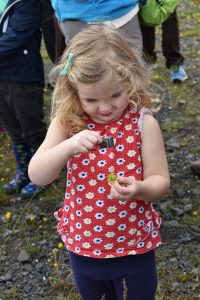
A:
(132, 277)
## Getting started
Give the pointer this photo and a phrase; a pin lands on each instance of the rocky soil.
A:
(33, 263)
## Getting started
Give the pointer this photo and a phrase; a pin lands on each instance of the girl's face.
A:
(103, 101)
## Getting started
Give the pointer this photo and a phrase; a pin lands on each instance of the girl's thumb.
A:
(124, 180)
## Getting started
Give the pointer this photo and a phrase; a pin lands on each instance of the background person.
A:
(170, 47)
(53, 37)
(75, 15)
(21, 86)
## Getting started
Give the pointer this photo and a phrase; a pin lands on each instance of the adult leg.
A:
(60, 40)
(148, 36)
(48, 29)
(133, 32)
(171, 42)
(70, 28)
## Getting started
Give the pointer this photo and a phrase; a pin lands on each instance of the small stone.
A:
(173, 260)
(23, 256)
(43, 242)
(5, 278)
(172, 143)
(187, 208)
(4, 220)
(15, 199)
(182, 101)
(180, 192)
(164, 206)
(190, 156)
(39, 266)
(172, 223)
(196, 271)
(175, 285)
(177, 211)
(186, 237)
(7, 232)
(195, 228)
(179, 251)
(186, 201)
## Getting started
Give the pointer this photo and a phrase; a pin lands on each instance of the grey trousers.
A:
(130, 30)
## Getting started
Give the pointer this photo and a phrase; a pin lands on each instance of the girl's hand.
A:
(84, 141)
(125, 188)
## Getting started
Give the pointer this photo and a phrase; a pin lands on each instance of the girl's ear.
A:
(133, 104)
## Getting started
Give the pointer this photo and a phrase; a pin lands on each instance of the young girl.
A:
(103, 129)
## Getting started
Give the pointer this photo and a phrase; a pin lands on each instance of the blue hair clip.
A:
(70, 58)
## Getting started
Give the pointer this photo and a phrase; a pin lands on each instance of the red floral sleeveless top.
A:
(93, 224)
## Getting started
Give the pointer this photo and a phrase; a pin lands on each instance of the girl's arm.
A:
(156, 180)
(57, 148)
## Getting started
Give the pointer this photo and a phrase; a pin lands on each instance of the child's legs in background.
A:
(22, 112)
(133, 276)
(8, 114)
(171, 42)
(31, 114)
(149, 39)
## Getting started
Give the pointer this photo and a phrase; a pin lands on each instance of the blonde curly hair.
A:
(99, 52)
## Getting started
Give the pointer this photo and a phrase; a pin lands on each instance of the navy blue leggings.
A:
(130, 277)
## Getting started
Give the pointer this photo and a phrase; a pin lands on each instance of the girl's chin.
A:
(105, 118)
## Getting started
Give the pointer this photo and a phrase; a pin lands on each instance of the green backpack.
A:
(155, 12)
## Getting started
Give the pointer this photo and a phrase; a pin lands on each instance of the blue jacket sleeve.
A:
(24, 19)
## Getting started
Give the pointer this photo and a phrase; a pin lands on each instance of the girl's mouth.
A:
(106, 115)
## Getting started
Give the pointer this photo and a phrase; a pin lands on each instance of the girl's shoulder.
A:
(145, 118)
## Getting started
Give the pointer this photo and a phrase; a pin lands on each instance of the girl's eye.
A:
(116, 95)
(90, 100)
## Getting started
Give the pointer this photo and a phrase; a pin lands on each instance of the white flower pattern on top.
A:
(93, 224)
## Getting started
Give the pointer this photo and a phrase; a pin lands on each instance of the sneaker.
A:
(150, 61)
(31, 190)
(16, 184)
(178, 74)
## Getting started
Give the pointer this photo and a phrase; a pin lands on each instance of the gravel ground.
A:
(34, 266)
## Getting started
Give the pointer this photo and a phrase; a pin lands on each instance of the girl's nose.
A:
(105, 107)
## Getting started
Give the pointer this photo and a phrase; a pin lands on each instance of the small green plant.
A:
(111, 178)
(62, 283)
(11, 294)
